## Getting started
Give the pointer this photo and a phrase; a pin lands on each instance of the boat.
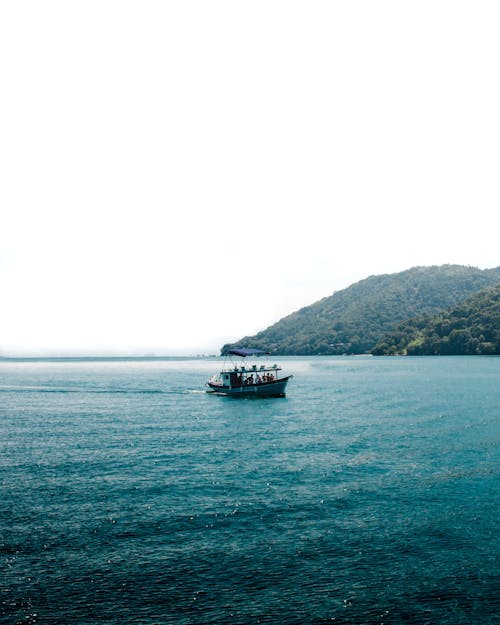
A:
(253, 380)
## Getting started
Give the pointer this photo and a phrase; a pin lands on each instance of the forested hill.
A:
(353, 320)
(472, 327)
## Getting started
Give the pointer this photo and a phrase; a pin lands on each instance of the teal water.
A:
(368, 495)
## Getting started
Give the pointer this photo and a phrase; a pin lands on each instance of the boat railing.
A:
(251, 369)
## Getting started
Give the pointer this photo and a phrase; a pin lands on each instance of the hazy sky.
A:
(175, 175)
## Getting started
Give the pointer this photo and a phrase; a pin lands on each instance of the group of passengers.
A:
(267, 377)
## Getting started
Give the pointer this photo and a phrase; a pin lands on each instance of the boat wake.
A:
(90, 391)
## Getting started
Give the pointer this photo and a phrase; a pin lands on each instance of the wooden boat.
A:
(242, 380)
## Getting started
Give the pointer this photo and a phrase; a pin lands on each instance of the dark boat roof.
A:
(246, 351)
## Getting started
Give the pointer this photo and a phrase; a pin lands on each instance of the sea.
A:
(368, 495)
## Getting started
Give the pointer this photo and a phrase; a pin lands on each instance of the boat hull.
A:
(267, 389)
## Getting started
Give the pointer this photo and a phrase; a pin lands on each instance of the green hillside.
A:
(354, 320)
(472, 327)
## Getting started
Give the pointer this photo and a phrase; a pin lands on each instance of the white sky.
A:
(175, 175)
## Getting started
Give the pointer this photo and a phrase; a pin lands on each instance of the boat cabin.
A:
(243, 376)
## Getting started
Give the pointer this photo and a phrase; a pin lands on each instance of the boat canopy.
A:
(246, 351)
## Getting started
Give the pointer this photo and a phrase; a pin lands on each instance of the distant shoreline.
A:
(75, 359)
